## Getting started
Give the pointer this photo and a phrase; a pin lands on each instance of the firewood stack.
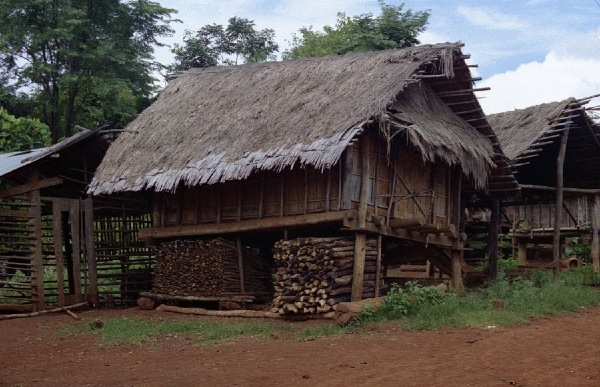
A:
(207, 268)
(313, 274)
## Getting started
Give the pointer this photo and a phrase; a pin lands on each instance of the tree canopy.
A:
(393, 28)
(18, 134)
(84, 62)
(215, 45)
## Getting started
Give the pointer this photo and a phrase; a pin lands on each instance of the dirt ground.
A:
(558, 351)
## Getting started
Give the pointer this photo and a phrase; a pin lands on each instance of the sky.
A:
(528, 51)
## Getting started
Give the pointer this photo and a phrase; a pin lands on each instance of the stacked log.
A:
(208, 268)
(314, 274)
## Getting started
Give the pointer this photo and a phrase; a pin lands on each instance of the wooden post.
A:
(35, 224)
(360, 246)
(521, 252)
(238, 240)
(560, 162)
(595, 248)
(90, 249)
(494, 227)
(74, 213)
(360, 249)
(456, 280)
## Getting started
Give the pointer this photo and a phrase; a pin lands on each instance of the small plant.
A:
(577, 249)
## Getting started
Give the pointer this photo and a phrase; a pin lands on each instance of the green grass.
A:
(414, 307)
(123, 330)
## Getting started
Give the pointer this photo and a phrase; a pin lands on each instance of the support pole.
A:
(378, 268)
(90, 249)
(560, 162)
(595, 248)
(521, 252)
(494, 231)
(238, 240)
(35, 224)
(360, 245)
(456, 214)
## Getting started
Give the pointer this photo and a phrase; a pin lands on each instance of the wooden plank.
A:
(28, 187)
(360, 248)
(166, 297)
(15, 214)
(456, 278)
(405, 222)
(76, 244)
(58, 249)
(247, 225)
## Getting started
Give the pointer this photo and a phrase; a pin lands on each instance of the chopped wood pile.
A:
(313, 274)
(208, 268)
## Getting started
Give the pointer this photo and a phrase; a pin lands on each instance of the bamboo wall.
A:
(575, 214)
(415, 189)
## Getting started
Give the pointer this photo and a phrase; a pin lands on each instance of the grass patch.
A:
(123, 330)
(325, 330)
(524, 299)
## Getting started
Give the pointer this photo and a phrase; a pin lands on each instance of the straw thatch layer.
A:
(219, 124)
(441, 133)
(517, 130)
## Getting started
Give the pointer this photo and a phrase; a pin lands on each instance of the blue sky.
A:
(528, 51)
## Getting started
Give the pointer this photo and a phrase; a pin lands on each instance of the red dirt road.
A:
(558, 351)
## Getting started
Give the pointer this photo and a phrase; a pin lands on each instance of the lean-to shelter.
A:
(369, 145)
(58, 245)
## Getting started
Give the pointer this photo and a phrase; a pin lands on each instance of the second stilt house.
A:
(371, 148)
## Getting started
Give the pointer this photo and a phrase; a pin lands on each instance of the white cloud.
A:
(490, 19)
(556, 78)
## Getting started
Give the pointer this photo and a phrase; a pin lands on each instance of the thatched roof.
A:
(531, 138)
(224, 123)
(518, 130)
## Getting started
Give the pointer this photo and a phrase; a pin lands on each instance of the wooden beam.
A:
(247, 225)
(57, 235)
(560, 162)
(28, 187)
(564, 189)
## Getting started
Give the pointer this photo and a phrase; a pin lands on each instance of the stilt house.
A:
(556, 154)
(58, 245)
(376, 146)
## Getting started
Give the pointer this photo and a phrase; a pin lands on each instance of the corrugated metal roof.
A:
(10, 162)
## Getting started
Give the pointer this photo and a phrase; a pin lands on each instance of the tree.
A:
(394, 28)
(214, 45)
(17, 134)
(72, 54)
